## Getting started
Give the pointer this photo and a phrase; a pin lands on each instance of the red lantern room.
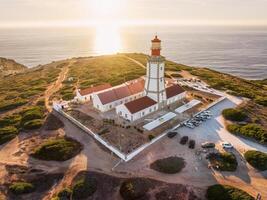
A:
(156, 46)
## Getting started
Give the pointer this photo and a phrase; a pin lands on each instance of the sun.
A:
(105, 9)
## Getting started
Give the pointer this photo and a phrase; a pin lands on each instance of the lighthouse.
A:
(155, 81)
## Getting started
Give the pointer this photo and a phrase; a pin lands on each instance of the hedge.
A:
(250, 130)
(19, 188)
(64, 194)
(225, 192)
(224, 161)
(134, 188)
(11, 105)
(257, 159)
(234, 114)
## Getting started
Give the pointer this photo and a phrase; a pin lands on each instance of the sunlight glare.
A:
(107, 39)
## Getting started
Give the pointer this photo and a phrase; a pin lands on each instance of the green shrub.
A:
(31, 114)
(170, 165)
(68, 96)
(12, 120)
(134, 188)
(5, 106)
(21, 188)
(84, 188)
(253, 131)
(234, 114)
(257, 159)
(223, 161)
(65, 194)
(7, 134)
(225, 192)
(59, 149)
(261, 100)
(33, 124)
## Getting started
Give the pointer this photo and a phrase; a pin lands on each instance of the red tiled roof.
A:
(132, 87)
(107, 97)
(122, 92)
(174, 90)
(140, 104)
(98, 88)
(137, 86)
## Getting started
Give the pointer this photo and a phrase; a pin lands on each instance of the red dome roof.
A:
(156, 39)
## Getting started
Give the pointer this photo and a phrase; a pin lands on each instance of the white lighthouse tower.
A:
(155, 81)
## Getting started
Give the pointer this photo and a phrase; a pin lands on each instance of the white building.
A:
(111, 98)
(84, 95)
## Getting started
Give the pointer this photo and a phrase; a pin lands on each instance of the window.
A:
(98, 106)
(155, 108)
(150, 110)
(110, 106)
(126, 115)
(160, 68)
(143, 113)
(120, 113)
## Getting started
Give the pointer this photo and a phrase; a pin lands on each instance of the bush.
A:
(53, 123)
(172, 134)
(261, 100)
(65, 194)
(134, 188)
(191, 144)
(31, 113)
(7, 134)
(12, 120)
(60, 149)
(33, 124)
(225, 192)
(21, 188)
(184, 140)
(170, 165)
(151, 137)
(234, 114)
(253, 131)
(257, 159)
(84, 188)
(12, 104)
(223, 161)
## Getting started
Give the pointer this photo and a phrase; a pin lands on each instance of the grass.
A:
(19, 188)
(58, 149)
(250, 130)
(234, 114)
(257, 159)
(7, 133)
(134, 188)
(170, 165)
(223, 161)
(225, 192)
(234, 85)
(84, 188)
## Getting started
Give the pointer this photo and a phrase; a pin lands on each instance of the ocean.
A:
(240, 51)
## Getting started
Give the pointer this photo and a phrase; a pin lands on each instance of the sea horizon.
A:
(236, 50)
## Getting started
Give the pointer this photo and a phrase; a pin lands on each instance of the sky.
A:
(169, 12)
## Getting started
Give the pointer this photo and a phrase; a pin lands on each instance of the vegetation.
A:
(53, 123)
(234, 114)
(234, 85)
(58, 149)
(253, 131)
(151, 137)
(84, 188)
(19, 188)
(11, 104)
(65, 194)
(257, 159)
(33, 124)
(225, 192)
(223, 161)
(170, 165)
(7, 133)
(134, 188)
(171, 134)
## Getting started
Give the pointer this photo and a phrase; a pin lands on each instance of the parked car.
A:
(191, 144)
(184, 140)
(171, 134)
(227, 145)
(208, 145)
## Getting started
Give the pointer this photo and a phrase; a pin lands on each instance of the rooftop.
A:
(93, 89)
(174, 90)
(140, 104)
